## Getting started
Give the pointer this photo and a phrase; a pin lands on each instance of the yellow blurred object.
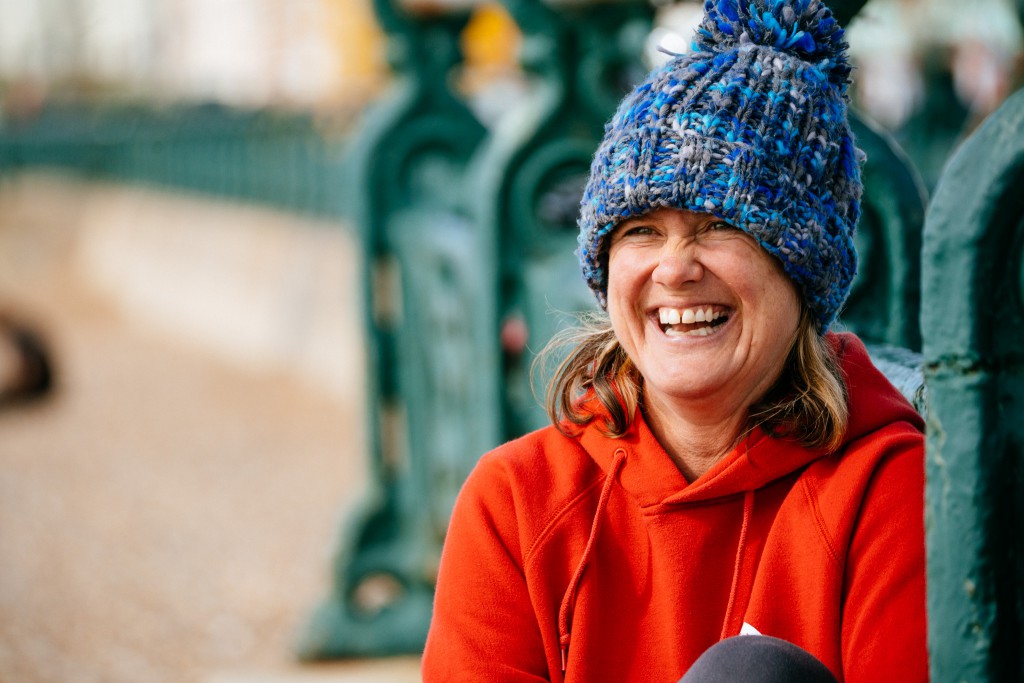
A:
(359, 45)
(491, 40)
(490, 45)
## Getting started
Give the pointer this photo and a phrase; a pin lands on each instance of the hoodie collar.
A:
(650, 476)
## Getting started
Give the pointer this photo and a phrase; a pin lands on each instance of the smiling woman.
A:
(719, 462)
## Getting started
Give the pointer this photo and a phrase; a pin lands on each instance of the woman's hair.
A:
(808, 402)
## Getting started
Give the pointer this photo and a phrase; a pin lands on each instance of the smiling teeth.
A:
(675, 316)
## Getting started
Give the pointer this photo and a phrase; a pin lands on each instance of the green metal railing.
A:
(276, 158)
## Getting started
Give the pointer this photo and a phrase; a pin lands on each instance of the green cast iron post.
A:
(973, 328)
(884, 303)
(582, 58)
(432, 366)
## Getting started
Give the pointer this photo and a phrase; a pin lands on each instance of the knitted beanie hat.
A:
(751, 126)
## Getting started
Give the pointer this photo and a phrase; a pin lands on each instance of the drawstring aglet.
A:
(565, 656)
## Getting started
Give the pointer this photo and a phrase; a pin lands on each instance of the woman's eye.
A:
(719, 229)
(635, 231)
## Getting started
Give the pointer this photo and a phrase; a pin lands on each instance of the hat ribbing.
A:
(751, 126)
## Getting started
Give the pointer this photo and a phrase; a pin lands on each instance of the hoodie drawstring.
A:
(748, 513)
(569, 600)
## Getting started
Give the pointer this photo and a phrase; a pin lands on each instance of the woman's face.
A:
(702, 310)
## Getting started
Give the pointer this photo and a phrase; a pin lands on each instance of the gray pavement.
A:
(165, 515)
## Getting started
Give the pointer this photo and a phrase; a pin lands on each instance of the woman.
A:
(719, 463)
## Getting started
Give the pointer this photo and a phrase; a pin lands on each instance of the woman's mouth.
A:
(697, 321)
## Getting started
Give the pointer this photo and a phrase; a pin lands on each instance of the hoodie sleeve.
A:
(484, 627)
(884, 630)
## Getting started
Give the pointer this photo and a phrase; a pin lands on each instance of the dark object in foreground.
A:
(26, 370)
(757, 659)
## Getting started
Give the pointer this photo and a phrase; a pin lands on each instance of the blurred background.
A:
(183, 359)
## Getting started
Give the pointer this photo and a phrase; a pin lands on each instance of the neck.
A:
(694, 439)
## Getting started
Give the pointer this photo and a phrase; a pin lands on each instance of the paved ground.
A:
(164, 516)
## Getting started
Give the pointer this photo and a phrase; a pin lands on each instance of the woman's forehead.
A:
(669, 216)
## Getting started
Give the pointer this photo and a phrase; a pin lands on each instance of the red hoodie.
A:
(594, 556)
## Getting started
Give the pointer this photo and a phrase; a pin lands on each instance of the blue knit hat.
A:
(751, 126)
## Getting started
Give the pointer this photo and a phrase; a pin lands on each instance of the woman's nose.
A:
(678, 265)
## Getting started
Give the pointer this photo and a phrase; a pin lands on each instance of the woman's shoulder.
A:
(531, 479)
(545, 460)
(862, 457)
(881, 473)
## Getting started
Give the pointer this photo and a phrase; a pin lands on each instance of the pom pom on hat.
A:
(752, 127)
(803, 28)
